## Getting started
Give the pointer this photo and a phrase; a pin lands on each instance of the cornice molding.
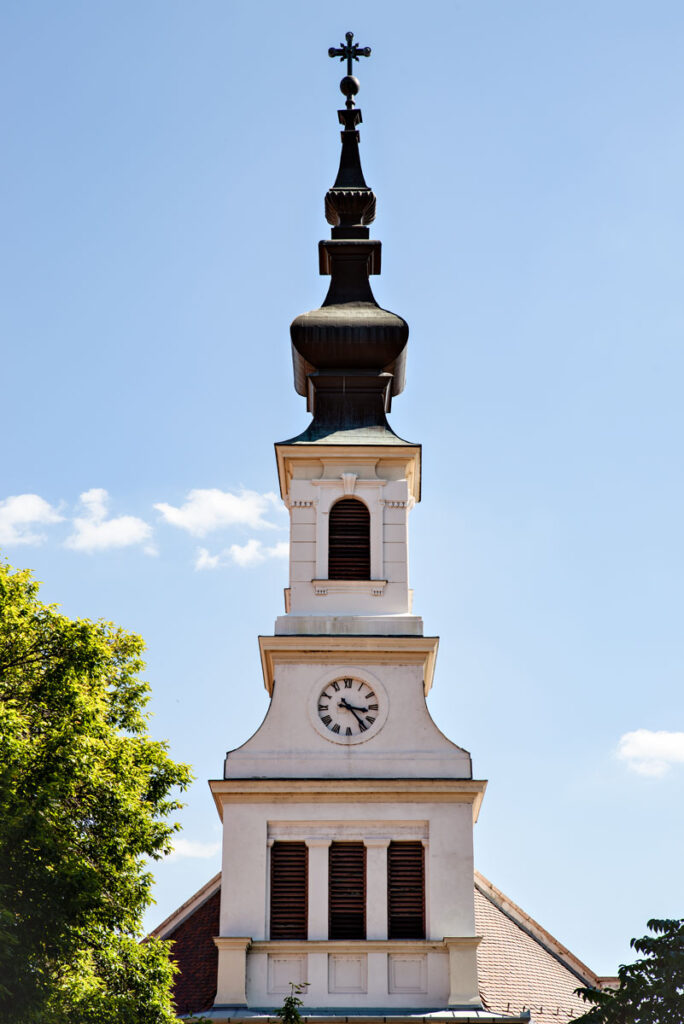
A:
(349, 648)
(408, 455)
(348, 791)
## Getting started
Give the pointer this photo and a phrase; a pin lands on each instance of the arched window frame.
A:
(370, 493)
(362, 539)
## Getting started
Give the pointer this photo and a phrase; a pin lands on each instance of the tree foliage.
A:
(651, 989)
(289, 1011)
(84, 799)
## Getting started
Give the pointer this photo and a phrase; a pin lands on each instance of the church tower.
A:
(348, 816)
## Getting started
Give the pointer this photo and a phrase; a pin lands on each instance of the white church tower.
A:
(348, 816)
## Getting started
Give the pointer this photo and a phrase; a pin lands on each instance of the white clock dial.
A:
(350, 708)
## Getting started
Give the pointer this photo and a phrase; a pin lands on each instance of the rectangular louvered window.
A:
(347, 891)
(406, 890)
(289, 884)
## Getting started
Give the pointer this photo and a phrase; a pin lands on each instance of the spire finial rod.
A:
(350, 51)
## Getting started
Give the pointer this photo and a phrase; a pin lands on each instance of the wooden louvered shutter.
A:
(349, 541)
(406, 891)
(289, 891)
(347, 891)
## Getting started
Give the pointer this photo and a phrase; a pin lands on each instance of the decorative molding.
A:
(406, 503)
(349, 946)
(348, 973)
(283, 970)
(302, 502)
(354, 649)
(241, 942)
(339, 482)
(372, 833)
(348, 482)
(324, 587)
(407, 973)
(403, 650)
(348, 791)
(405, 456)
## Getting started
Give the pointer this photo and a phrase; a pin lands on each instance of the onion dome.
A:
(349, 355)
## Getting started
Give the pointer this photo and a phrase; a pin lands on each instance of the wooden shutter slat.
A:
(289, 885)
(347, 891)
(349, 541)
(406, 890)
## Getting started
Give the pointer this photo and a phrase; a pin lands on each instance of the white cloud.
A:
(206, 561)
(21, 512)
(192, 848)
(211, 509)
(651, 753)
(253, 552)
(94, 532)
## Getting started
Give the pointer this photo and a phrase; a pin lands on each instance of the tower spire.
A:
(349, 354)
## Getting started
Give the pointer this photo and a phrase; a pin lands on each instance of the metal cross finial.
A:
(352, 51)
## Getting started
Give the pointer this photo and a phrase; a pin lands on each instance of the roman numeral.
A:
(348, 732)
(369, 695)
(326, 719)
(322, 707)
(369, 719)
(335, 727)
(328, 696)
(362, 726)
(348, 684)
(335, 685)
(372, 707)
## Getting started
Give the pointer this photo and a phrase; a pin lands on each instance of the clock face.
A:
(350, 708)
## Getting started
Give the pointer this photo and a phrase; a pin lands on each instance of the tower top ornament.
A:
(349, 51)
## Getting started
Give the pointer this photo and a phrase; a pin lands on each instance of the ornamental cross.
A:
(352, 51)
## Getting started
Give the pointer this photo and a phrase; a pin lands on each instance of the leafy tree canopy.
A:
(651, 989)
(84, 799)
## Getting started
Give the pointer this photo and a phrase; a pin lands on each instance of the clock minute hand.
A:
(353, 711)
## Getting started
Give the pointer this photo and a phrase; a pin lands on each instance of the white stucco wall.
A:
(289, 745)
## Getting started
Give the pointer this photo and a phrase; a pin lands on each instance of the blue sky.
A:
(163, 179)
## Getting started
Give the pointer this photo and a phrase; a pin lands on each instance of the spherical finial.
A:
(349, 86)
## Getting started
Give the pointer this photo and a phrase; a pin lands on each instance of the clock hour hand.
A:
(350, 707)
(344, 703)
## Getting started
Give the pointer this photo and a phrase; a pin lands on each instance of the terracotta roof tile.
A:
(519, 972)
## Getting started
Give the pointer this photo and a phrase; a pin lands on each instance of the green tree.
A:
(84, 799)
(651, 989)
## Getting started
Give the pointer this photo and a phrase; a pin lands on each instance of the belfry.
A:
(348, 816)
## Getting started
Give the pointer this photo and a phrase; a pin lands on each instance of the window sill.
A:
(373, 587)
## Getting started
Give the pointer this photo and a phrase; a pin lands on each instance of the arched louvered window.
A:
(349, 541)
(406, 890)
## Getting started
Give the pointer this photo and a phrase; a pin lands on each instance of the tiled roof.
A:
(521, 966)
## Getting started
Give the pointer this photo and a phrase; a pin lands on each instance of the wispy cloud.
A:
(192, 848)
(651, 753)
(244, 555)
(211, 509)
(20, 514)
(93, 531)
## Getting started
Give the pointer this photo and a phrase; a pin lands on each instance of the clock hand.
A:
(344, 703)
(351, 708)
